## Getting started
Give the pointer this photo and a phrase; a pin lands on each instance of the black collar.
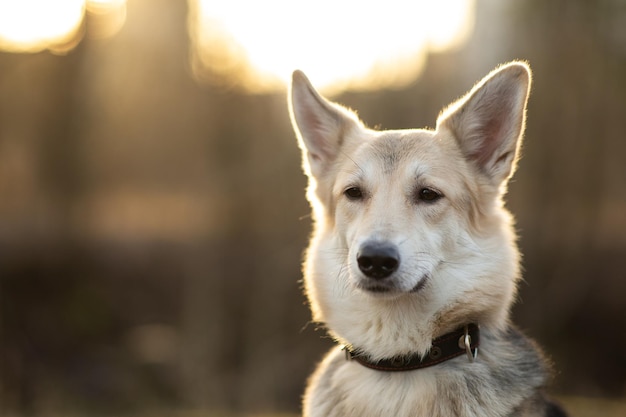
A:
(464, 340)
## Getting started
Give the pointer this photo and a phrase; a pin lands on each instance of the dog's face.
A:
(402, 203)
(412, 218)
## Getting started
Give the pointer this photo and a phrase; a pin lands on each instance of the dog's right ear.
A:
(321, 126)
(488, 122)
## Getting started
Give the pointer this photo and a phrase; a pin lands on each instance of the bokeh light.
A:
(338, 43)
(36, 25)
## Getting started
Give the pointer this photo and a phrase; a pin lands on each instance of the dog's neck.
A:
(464, 340)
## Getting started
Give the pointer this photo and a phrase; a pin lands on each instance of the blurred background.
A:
(152, 211)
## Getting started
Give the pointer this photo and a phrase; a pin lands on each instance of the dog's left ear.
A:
(321, 125)
(488, 122)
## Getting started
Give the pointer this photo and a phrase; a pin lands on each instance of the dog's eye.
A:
(353, 193)
(428, 195)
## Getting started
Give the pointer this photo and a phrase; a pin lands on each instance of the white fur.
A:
(460, 248)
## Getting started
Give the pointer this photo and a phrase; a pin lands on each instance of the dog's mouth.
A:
(420, 285)
(390, 288)
(378, 289)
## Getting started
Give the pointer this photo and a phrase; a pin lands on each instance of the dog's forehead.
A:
(390, 150)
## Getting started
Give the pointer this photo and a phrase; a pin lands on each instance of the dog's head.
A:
(413, 217)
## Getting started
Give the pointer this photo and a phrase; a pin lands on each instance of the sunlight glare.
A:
(35, 25)
(338, 43)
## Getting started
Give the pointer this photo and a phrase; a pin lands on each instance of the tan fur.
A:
(457, 257)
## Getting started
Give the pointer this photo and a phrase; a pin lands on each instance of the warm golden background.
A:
(152, 213)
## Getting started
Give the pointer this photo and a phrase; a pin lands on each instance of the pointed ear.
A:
(488, 122)
(321, 126)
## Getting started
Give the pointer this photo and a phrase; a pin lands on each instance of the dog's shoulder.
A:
(529, 368)
(511, 346)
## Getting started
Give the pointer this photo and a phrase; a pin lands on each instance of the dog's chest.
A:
(387, 394)
(348, 389)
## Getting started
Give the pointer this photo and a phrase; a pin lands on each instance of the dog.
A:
(413, 263)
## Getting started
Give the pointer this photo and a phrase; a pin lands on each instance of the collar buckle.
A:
(465, 342)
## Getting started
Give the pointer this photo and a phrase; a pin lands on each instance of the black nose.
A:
(378, 260)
